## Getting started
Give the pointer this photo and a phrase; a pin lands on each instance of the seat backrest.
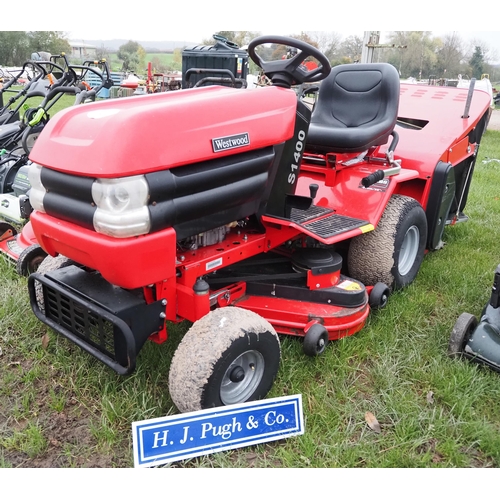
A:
(357, 108)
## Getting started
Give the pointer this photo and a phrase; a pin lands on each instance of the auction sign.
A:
(179, 437)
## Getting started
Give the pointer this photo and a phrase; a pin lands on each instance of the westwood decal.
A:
(230, 142)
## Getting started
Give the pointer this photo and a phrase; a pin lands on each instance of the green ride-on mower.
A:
(479, 341)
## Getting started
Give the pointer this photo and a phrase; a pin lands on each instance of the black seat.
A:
(357, 108)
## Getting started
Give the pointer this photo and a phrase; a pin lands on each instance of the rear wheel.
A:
(229, 356)
(393, 252)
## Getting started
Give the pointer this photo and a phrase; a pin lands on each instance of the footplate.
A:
(303, 216)
(323, 223)
(333, 224)
(110, 323)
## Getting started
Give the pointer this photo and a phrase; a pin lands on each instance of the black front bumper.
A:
(108, 322)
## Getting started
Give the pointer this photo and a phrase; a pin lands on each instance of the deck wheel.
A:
(315, 341)
(379, 296)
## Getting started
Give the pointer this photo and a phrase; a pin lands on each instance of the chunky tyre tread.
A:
(373, 256)
(208, 344)
(49, 264)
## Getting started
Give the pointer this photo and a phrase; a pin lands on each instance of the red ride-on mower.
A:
(245, 213)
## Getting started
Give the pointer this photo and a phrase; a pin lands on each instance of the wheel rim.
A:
(242, 377)
(409, 250)
(384, 300)
(321, 345)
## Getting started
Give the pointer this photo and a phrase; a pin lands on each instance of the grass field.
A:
(61, 408)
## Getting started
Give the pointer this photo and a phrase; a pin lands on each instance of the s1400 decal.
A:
(230, 142)
(299, 146)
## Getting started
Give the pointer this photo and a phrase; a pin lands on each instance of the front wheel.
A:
(393, 252)
(229, 356)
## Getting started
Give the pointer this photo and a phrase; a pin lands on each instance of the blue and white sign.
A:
(178, 437)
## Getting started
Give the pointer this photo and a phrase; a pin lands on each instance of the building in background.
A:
(82, 51)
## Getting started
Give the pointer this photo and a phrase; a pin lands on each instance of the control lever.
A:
(379, 175)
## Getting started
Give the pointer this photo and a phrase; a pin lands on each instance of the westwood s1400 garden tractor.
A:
(246, 213)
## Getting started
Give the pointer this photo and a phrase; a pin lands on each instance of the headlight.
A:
(37, 191)
(121, 206)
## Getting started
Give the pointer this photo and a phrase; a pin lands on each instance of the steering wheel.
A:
(288, 72)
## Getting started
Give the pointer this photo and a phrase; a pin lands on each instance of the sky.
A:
(196, 20)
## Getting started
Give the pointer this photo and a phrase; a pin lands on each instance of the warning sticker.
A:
(349, 285)
(213, 264)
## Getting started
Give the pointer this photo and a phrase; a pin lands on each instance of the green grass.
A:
(160, 61)
(61, 408)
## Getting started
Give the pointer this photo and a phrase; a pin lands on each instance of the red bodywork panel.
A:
(128, 263)
(292, 318)
(442, 108)
(168, 129)
(268, 115)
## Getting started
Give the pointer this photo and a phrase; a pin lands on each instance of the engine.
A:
(207, 238)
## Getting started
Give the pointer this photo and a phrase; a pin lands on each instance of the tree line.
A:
(423, 56)
(426, 56)
(16, 47)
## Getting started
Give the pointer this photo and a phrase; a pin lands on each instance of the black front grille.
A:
(82, 307)
(80, 321)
